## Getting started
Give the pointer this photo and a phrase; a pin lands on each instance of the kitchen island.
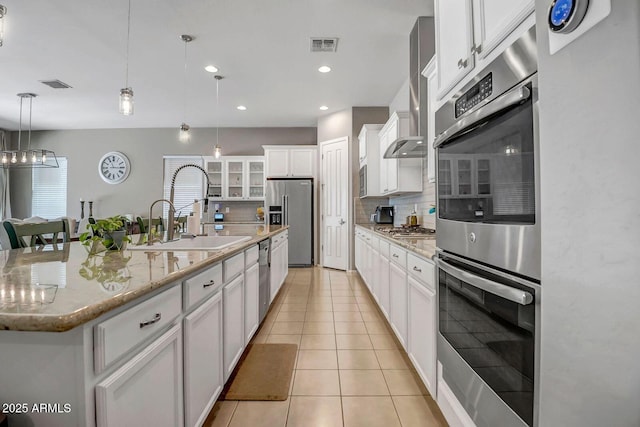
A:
(124, 338)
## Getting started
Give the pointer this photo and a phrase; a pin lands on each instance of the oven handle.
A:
(509, 99)
(516, 295)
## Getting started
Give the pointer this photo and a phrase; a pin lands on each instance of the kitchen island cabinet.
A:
(99, 355)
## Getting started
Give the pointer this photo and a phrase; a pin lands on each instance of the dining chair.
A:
(17, 231)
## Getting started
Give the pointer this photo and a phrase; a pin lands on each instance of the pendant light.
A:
(3, 13)
(217, 150)
(26, 157)
(126, 93)
(184, 135)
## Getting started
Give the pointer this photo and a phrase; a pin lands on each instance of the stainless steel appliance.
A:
(363, 180)
(488, 253)
(264, 265)
(383, 215)
(290, 202)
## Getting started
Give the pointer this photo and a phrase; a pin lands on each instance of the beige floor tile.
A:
(259, 338)
(318, 359)
(347, 316)
(346, 307)
(340, 285)
(260, 414)
(281, 328)
(283, 339)
(357, 359)
(291, 316)
(363, 382)
(319, 291)
(221, 414)
(344, 300)
(415, 411)
(367, 307)
(369, 411)
(318, 328)
(315, 411)
(293, 307)
(353, 342)
(295, 300)
(363, 300)
(319, 307)
(342, 293)
(350, 328)
(391, 359)
(319, 316)
(383, 342)
(376, 327)
(370, 316)
(402, 383)
(319, 300)
(316, 383)
(318, 342)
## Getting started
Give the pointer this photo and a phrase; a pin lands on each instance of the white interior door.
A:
(335, 197)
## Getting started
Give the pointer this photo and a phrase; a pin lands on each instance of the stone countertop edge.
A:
(66, 322)
(427, 248)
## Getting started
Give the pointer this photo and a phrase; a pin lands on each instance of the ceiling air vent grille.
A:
(56, 84)
(324, 44)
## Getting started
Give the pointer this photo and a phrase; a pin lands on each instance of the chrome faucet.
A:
(170, 220)
(171, 211)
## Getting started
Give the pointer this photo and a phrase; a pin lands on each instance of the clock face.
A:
(114, 167)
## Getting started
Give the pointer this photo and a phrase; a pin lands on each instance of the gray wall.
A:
(589, 127)
(144, 148)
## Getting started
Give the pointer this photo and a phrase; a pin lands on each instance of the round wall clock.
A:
(566, 15)
(114, 167)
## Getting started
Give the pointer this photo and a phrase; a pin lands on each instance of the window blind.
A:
(49, 191)
(189, 184)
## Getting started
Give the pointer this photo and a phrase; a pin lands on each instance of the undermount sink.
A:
(198, 243)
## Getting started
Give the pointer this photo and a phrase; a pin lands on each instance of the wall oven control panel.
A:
(475, 95)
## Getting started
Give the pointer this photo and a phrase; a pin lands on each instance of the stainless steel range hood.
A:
(421, 50)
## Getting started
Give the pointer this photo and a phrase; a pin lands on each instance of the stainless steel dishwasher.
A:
(264, 261)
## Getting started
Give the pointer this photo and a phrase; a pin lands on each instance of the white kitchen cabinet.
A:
(422, 331)
(398, 302)
(233, 323)
(203, 359)
(430, 72)
(279, 262)
(369, 150)
(251, 301)
(398, 176)
(236, 178)
(468, 30)
(133, 394)
(295, 161)
(383, 286)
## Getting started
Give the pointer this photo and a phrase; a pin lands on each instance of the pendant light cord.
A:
(126, 77)
(184, 85)
(217, 110)
(20, 125)
(30, 111)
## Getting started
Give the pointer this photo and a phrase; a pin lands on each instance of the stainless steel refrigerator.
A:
(289, 201)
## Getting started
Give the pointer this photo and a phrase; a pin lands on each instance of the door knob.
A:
(342, 221)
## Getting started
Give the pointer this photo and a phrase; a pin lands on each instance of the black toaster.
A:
(384, 215)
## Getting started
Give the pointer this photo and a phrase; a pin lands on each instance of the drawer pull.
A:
(210, 283)
(155, 319)
(415, 268)
(395, 255)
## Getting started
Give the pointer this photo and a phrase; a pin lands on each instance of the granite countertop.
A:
(57, 289)
(422, 247)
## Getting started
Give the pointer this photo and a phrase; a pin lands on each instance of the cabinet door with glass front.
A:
(215, 172)
(255, 179)
(235, 179)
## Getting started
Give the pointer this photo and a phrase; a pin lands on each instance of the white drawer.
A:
(118, 335)
(202, 285)
(421, 269)
(251, 256)
(233, 266)
(398, 256)
(384, 248)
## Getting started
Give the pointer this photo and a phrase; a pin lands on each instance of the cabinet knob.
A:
(476, 49)
(462, 63)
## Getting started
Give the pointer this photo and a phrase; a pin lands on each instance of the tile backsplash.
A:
(426, 200)
(363, 208)
(238, 211)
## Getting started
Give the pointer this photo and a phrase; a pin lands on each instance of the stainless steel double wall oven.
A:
(488, 254)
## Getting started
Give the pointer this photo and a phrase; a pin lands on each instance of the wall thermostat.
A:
(566, 15)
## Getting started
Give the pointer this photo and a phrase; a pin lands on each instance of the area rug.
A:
(264, 373)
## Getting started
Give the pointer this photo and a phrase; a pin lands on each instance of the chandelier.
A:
(26, 157)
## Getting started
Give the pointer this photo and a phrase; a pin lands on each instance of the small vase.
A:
(114, 240)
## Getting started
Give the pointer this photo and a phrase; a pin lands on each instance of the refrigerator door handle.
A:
(286, 210)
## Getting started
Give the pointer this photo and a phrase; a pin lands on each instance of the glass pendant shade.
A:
(185, 133)
(126, 101)
(3, 12)
(217, 151)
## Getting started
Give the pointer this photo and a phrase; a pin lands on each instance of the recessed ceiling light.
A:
(211, 68)
(324, 107)
(324, 69)
(241, 107)
(419, 142)
(404, 154)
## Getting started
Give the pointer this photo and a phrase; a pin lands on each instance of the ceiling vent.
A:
(55, 84)
(324, 44)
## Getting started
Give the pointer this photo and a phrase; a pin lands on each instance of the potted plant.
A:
(110, 232)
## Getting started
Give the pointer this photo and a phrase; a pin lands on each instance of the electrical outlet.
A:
(217, 206)
(227, 209)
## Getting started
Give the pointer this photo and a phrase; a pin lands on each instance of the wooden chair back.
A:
(18, 231)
